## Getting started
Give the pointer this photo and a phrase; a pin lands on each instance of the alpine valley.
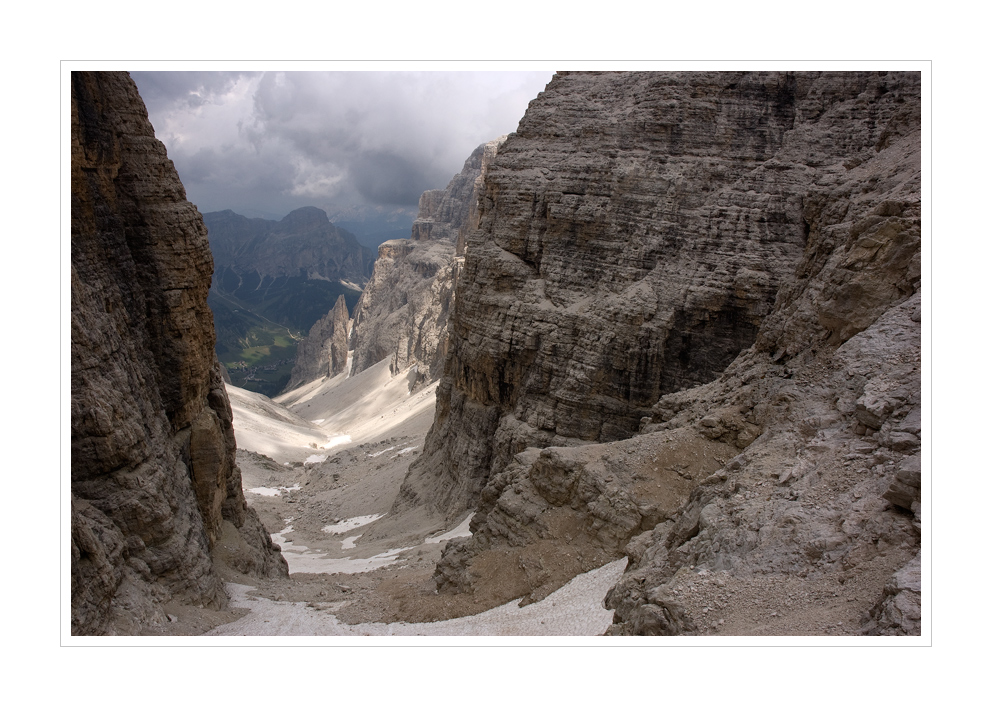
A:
(648, 365)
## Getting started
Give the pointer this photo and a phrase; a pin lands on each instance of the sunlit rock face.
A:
(154, 482)
(403, 312)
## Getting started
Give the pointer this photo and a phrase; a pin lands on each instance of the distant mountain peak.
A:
(306, 216)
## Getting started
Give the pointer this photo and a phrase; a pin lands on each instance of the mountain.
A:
(403, 313)
(687, 330)
(272, 282)
(677, 321)
(157, 506)
(303, 244)
(324, 353)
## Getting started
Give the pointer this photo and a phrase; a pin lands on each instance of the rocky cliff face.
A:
(723, 270)
(325, 350)
(403, 312)
(154, 483)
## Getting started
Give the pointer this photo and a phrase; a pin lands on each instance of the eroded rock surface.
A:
(730, 258)
(154, 481)
(808, 499)
(403, 312)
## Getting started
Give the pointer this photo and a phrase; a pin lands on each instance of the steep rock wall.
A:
(633, 234)
(325, 350)
(154, 482)
(403, 312)
(695, 217)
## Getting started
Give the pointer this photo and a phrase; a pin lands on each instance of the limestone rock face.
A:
(634, 235)
(809, 498)
(325, 350)
(676, 260)
(447, 214)
(403, 312)
(154, 483)
(898, 612)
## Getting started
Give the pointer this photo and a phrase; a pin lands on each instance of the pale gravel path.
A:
(574, 610)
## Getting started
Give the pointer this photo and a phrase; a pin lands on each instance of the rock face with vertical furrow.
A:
(154, 482)
(634, 235)
(679, 260)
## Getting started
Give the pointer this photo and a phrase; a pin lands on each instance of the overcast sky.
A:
(265, 143)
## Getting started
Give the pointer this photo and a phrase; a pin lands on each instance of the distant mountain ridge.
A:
(272, 281)
(304, 243)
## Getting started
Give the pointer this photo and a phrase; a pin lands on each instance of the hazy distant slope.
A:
(272, 281)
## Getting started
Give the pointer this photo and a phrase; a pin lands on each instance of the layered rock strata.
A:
(403, 311)
(692, 259)
(325, 350)
(633, 235)
(154, 482)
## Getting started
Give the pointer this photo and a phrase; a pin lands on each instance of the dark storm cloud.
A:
(161, 89)
(385, 178)
(234, 171)
(265, 143)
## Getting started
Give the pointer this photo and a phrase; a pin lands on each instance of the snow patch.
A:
(461, 531)
(280, 539)
(267, 491)
(318, 563)
(349, 543)
(382, 452)
(574, 610)
(264, 491)
(301, 559)
(336, 440)
(315, 459)
(404, 451)
(350, 524)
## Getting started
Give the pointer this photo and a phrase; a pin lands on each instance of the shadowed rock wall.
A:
(303, 244)
(153, 474)
(325, 350)
(724, 271)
